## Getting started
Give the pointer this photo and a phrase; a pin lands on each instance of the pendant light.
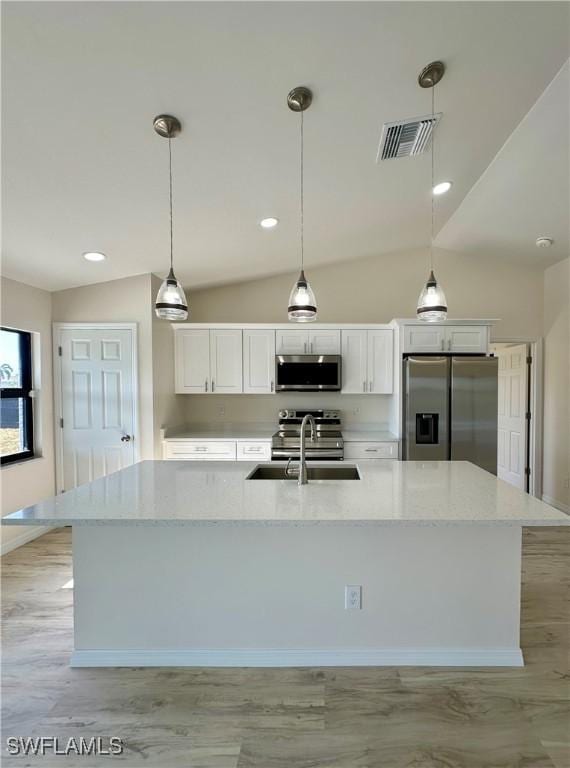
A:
(432, 305)
(170, 301)
(302, 304)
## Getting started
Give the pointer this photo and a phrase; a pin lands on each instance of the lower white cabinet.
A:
(217, 450)
(370, 450)
(254, 450)
(200, 450)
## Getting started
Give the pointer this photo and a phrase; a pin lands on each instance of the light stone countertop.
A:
(215, 493)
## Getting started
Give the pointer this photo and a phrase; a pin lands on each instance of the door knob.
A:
(126, 439)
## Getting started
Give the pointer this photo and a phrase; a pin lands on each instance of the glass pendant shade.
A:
(170, 300)
(432, 305)
(302, 304)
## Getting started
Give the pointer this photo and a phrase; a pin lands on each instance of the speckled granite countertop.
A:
(218, 493)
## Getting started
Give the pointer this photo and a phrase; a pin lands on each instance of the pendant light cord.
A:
(432, 176)
(302, 199)
(170, 197)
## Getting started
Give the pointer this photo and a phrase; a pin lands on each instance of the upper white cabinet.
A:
(367, 361)
(259, 361)
(446, 338)
(208, 361)
(226, 361)
(301, 341)
(192, 360)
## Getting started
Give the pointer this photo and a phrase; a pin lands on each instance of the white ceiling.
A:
(84, 170)
(524, 193)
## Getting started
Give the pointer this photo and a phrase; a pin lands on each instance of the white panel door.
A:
(192, 360)
(424, 338)
(226, 361)
(259, 361)
(467, 338)
(294, 342)
(322, 342)
(512, 423)
(380, 362)
(98, 407)
(354, 361)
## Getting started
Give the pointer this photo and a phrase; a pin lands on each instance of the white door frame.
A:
(58, 389)
(536, 347)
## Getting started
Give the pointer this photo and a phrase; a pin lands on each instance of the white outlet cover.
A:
(353, 597)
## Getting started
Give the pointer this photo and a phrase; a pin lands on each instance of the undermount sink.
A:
(277, 472)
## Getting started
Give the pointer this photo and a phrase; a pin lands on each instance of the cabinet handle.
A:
(364, 386)
(273, 386)
(371, 450)
(305, 347)
(449, 345)
(370, 387)
(311, 347)
(206, 385)
(443, 345)
(213, 385)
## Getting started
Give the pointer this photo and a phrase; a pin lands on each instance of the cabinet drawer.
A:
(371, 450)
(201, 450)
(254, 449)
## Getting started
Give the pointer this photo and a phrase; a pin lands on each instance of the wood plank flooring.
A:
(287, 718)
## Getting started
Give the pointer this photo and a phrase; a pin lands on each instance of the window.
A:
(16, 404)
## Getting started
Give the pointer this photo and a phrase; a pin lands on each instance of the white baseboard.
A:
(555, 503)
(262, 657)
(28, 534)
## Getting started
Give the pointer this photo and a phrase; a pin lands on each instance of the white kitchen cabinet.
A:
(424, 338)
(208, 361)
(429, 337)
(354, 361)
(226, 361)
(200, 450)
(467, 338)
(302, 341)
(370, 450)
(367, 362)
(259, 361)
(192, 360)
(253, 450)
(324, 342)
(380, 362)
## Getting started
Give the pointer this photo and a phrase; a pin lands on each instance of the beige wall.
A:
(129, 301)
(556, 441)
(377, 289)
(29, 309)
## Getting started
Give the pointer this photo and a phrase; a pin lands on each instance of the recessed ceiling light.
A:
(442, 188)
(544, 242)
(94, 256)
(269, 223)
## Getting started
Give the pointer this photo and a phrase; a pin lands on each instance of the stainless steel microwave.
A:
(307, 373)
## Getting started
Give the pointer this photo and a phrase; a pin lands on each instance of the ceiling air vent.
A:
(406, 138)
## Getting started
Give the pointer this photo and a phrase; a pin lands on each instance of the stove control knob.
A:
(283, 414)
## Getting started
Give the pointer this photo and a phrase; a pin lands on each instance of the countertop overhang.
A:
(218, 493)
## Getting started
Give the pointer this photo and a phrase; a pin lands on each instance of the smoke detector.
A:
(544, 242)
(407, 138)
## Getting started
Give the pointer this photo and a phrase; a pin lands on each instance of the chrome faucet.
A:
(303, 480)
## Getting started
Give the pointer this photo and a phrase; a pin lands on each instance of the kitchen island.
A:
(193, 564)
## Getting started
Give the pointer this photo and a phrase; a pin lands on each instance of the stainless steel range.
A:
(286, 442)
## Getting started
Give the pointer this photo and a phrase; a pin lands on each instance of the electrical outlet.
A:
(355, 411)
(353, 597)
(222, 410)
(567, 482)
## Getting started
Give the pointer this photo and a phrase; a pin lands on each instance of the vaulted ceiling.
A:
(83, 169)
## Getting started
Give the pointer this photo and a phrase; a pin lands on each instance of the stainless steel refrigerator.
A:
(450, 409)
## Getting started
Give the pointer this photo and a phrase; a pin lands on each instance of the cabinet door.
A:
(323, 342)
(192, 360)
(424, 338)
(354, 362)
(259, 361)
(467, 338)
(380, 362)
(226, 361)
(295, 342)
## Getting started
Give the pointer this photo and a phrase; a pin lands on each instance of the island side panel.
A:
(218, 595)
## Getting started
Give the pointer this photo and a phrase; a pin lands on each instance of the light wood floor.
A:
(288, 718)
